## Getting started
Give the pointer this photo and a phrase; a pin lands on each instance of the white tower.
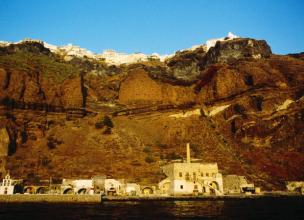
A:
(188, 153)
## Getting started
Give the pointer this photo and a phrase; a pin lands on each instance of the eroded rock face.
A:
(139, 88)
(4, 142)
(239, 48)
(246, 113)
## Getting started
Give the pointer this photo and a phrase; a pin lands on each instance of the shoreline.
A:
(193, 198)
(98, 199)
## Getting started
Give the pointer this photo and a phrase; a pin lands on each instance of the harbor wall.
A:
(50, 198)
(97, 198)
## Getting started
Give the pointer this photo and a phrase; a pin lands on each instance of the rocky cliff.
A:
(236, 103)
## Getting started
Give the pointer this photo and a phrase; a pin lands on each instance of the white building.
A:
(211, 43)
(113, 187)
(191, 178)
(234, 184)
(80, 186)
(7, 186)
(132, 189)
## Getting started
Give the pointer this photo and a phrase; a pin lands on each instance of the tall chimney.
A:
(188, 153)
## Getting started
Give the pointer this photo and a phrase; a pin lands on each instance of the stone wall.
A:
(51, 198)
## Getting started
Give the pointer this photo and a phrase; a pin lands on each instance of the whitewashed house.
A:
(132, 189)
(7, 186)
(234, 184)
(113, 187)
(78, 186)
(191, 178)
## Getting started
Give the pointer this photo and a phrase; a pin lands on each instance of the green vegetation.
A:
(48, 66)
(147, 149)
(108, 122)
(149, 159)
(173, 156)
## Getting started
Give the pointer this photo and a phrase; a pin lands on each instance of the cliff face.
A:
(237, 104)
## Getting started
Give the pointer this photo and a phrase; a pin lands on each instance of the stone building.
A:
(295, 186)
(78, 186)
(132, 189)
(99, 184)
(191, 178)
(113, 187)
(234, 184)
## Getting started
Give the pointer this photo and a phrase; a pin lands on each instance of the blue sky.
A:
(148, 26)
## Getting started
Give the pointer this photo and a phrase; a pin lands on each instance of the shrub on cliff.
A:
(173, 156)
(106, 121)
(149, 159)
(147, 149)
(52, 142)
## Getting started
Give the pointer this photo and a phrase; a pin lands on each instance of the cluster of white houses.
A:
(187, 177)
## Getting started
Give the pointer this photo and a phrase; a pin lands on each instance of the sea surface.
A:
(262, 208)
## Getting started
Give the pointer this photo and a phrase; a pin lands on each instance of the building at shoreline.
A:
(7, 186)
(113, 187)
(191, 178)
(79, 186)
(10, 186)
(234, 184)
(295, 186)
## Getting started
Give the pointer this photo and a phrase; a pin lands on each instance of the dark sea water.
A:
(262, 208)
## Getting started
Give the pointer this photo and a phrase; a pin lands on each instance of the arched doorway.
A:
(68, 191)
(111, 192)
(214, 187)
(29, 190)
(82, 191)
(147, 191)
(42, 190)
(164, 186)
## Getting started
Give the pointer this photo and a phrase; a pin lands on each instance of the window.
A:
(195, 186)
(202, 174)
(187, 176)
(181, 186)
(180, 174)
(207, 174)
